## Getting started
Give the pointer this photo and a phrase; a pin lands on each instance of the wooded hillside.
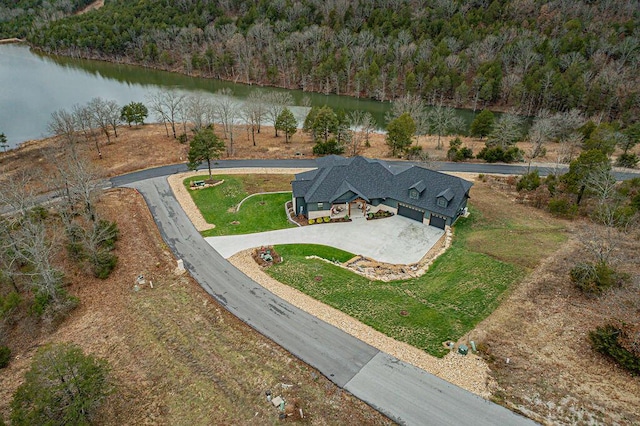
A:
(522, 54)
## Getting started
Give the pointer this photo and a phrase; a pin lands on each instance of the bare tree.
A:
(101, 115)
(542, 131)
(361, 124)
(166, 105)
(507, 130)
(253, 111)
(85, 122)
(199, 111)
(443, 121)
(63, 124)
(415, 107)
(226, 110)
(275, 102)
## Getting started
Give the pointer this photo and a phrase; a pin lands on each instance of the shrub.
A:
(326, 219)
(606, 340)
(627, 160)
(8, 303)
(312, 221)
(327, 148)
(413, 152)
(103, 264)
(562, 207)
(595, 278)
(40, 302)
(496, 154)
(529, 181)
(63, 386)
(346, 217)
(5, 356)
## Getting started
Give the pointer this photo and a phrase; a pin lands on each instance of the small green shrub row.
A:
(606, 340)
(324, 219)
(498, 154)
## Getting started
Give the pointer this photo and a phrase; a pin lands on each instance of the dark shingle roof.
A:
(371, 179)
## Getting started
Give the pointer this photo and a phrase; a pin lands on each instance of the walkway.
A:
(396, 240)
(406, 394)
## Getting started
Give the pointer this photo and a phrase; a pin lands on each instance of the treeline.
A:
(21, 17)
(526, 55)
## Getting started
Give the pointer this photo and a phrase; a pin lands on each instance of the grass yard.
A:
(492, 251)
(257, 214)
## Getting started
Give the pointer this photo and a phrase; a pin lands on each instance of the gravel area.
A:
(469, 372)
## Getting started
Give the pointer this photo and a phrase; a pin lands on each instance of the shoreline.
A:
(11, 40)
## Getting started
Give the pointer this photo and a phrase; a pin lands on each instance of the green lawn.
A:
(257, 214)
(461, 288)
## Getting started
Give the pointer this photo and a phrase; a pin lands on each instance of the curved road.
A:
(404, 393)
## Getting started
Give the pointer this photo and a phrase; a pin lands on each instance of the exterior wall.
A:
(318, 213)
(297, 203)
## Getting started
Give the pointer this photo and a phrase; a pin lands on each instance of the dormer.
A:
(444, 198)
(416, 189)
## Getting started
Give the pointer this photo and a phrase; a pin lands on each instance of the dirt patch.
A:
(176, 356)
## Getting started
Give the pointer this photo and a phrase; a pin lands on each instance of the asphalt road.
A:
(406, 394)
(505, 169)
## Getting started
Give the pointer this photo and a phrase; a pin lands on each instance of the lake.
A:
(32, 86)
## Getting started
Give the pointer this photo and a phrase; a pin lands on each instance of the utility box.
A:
(463, 349)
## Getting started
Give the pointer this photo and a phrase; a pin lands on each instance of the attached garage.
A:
(438, 222)
(410, 212)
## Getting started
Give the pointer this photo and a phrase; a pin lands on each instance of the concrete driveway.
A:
(396, 239)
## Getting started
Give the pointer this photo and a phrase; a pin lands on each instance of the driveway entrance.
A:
(395, 240)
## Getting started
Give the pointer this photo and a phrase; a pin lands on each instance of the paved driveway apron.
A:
(396, 239)
(404, 393)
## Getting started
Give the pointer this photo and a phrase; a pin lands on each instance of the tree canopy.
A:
(526, 55)
(287, 123)
(63, 386)
(205, 146)
(400, 132)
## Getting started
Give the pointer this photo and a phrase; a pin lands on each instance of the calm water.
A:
(32, 86)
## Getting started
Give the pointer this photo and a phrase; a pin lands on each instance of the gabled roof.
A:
(371, 179)
(419, 186)
(447, 194)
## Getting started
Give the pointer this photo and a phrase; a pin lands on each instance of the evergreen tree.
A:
(63, 386)
(482, 125)
(287, 123)
(400, 132)
(205, 146)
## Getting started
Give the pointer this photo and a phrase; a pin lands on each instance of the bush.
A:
(326, 219)
(562, 207)
(595, 278)
(497, 154)
(529, 181)
(63, 386)
(40, 302)
(103, 264)
(627, 160)
(5, 356)
(606, 340)
(8, 303)
(312, 221)
(327, 148)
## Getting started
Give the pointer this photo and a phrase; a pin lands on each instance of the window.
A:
(320, 206)
(413, 194)
(442, 202)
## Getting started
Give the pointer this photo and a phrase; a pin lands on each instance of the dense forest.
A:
(522, 55)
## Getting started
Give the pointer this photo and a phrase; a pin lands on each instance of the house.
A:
(358, 186)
